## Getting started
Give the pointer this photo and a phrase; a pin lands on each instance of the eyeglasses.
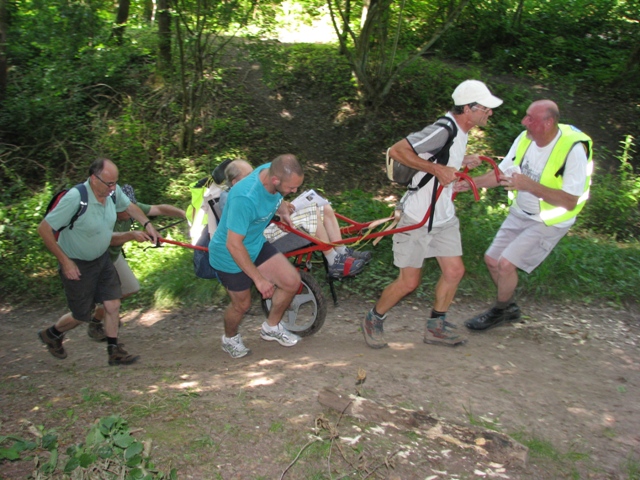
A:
(108, 184)
(481, 108)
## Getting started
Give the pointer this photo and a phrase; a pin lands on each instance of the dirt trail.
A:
(569, 375)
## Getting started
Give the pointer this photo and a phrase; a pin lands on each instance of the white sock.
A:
(341, 250)
(268, 327)
(330, 255)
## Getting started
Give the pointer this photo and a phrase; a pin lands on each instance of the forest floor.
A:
(565, 381)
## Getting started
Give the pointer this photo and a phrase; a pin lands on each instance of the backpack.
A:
(84, 202)
(400, 173)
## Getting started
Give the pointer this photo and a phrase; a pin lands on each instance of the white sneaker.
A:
(234, 346)
(280, 334)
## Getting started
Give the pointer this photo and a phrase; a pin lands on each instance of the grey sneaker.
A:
(373, 330)
(119, 356)
(234, 346)
(440, 332)
(95, 330)
(283, 336)
(360, 254)
(54, 344)
(345, 266)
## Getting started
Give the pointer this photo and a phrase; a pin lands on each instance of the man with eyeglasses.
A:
(440, 237)
(85, 268)
(547, 173)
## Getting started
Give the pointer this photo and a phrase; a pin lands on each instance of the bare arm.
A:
(120, 238)
(69, 268)
(556, 197)
(168, 210)
(137, 214)
(403, 153)
(241, 256)
(284, 212)
(486, 180)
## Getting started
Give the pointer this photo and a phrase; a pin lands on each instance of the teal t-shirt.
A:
(249, 209)
(91, 233)
(125, 226)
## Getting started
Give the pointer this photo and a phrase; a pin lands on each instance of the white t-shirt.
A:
(532, 165)
(415, 204)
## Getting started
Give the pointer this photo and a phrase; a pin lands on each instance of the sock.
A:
(437, 314)
(341, 250)
(502, 305)
(330, 255)
(269, 328)
(54, 331)
(112, 341)
(378, 315)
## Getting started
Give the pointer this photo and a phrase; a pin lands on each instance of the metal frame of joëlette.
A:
(303, 255)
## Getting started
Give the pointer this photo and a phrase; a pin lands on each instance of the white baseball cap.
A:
(474, 91)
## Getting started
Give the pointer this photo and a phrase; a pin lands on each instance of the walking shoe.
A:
(439, 332)
(280, 334)
(234, 346)
(345, 266)
(95, 330)
(360, 254)
(493, 317)
(54, 344)
(373, 330)
(119, 356)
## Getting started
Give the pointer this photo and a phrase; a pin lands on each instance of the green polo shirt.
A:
(125, 226)
(91, 233)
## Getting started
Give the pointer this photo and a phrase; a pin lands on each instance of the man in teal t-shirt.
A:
(241, 255)
(87, 273)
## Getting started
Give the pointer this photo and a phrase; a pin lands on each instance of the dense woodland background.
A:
(168, 89)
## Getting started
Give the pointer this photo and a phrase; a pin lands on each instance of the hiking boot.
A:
(373, 330)
(234, 346)
(440, 332)
(119, 356)
(281, 335)
(345, 266)
(54, 344)
(493, 317)
(95, 330)
(360, 254)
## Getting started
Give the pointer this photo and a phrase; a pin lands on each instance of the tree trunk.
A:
(4, 25)
(164, 36)
(121, 20)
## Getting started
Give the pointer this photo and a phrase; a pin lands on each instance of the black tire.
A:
(308, 308)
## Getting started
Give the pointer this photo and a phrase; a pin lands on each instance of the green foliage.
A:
(109, 449)
(612, 209)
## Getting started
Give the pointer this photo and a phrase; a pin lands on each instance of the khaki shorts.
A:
(128, 281)
(412, 247)
(524, 242)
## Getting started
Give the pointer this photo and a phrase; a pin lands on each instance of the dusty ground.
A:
(568, 378)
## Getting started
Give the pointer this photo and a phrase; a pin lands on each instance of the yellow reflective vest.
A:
(554, 170)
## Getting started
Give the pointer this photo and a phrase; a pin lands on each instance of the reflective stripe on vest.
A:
(552, 174)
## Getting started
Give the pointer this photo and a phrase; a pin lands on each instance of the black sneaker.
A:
(119, 356)
(54, 344)
(494, 317)
(95, 330)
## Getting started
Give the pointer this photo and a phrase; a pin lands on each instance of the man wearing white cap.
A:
(432, 153)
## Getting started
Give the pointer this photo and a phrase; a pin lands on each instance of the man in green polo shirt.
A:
(122, 234)
(86, 271)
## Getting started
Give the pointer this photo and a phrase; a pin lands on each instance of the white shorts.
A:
(412, 247)
(128, 281)
(525, 242)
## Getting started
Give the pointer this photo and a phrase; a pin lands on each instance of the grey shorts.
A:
(98, 283)
(524, 242)
(412, 247)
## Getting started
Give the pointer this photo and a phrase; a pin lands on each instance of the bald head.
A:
(548, 109)
(541, 121)
(236, 171)
(284, 166)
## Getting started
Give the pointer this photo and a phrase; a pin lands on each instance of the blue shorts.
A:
(239, 282)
